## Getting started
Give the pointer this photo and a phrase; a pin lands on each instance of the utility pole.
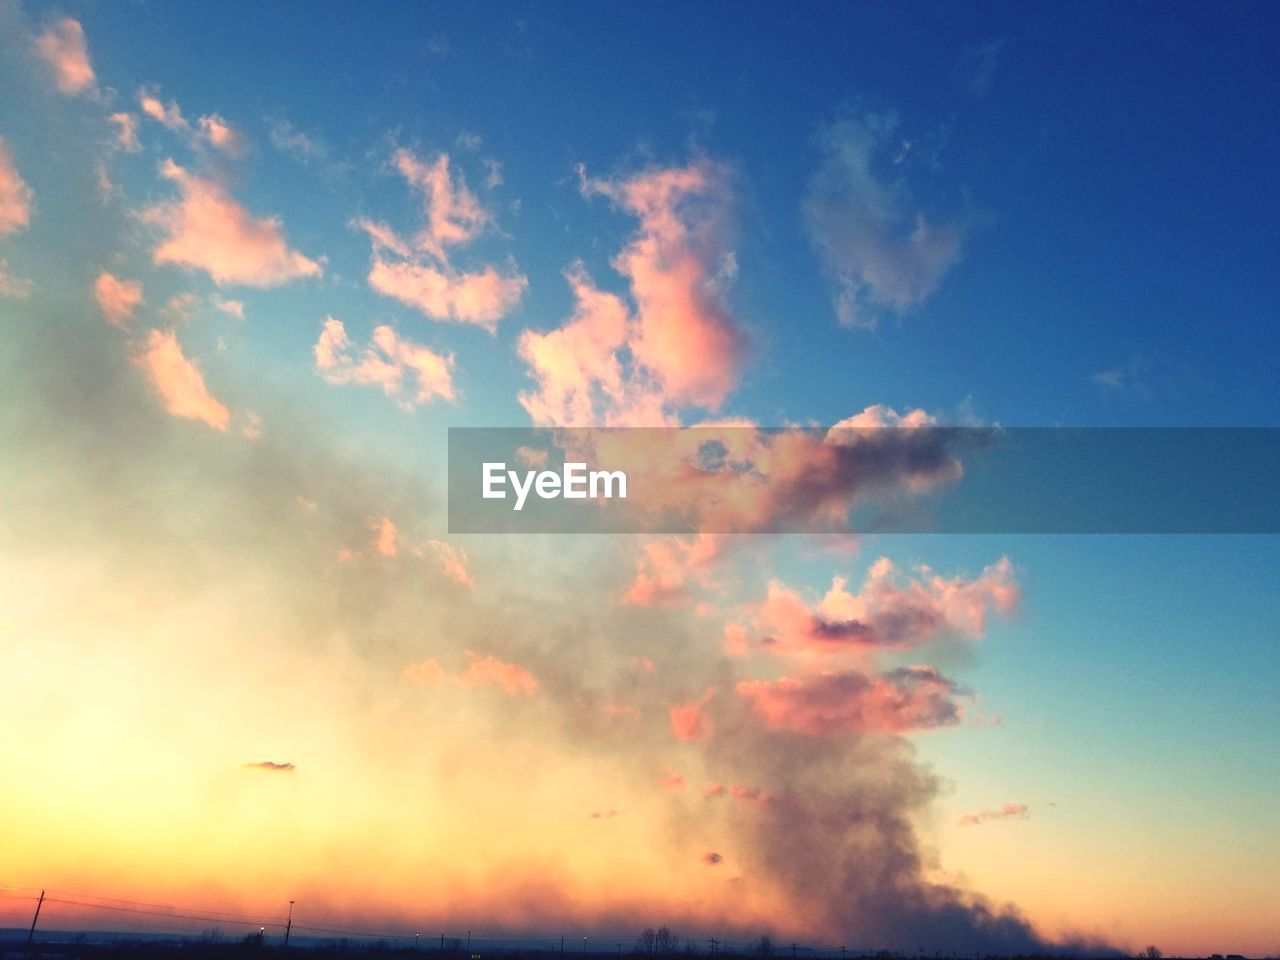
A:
(468, 945)
(842, 953)
(442, 944)
(288, 926)
(39, 903)
(562, 944)
(415, 942)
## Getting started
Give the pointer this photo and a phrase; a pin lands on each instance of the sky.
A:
(255, 260)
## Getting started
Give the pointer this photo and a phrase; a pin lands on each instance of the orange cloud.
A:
(826, 704)
(210, 231)
(15, 196)
(1006, 811)
(486, 671)
(117, 299)
(179, 382)
(408, 372)
(490, 671)
(63, 47)
(385, 541)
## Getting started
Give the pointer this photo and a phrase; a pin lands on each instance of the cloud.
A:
(117, 299)
(126, 131)
(206, 229)
(420, 272)
(487, 671)
(16, 197)
(690, 721)
(482, 298)
(221, 135)
(583, 378)
(233, 308)
(454, 216)
(1006, 811)
(385, 541)
(888, 611)
(454, 561)
(178, 381)
(610, 365)
(408, 372)
(883, 253)
(679, 267)
(307, 149)
(271, 766)
(667, 566)
(166, 114)
(827, 704)
(14, 287)
(62, 46)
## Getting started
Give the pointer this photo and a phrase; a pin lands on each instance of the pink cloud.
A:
(15, 196)
(210, 231)
(117, 299)
(888, 611)
(167, 114)
(609, 366)
(453, 214)
(679, 267)
(63, 47)
(482, 298)
(421, 273)
(672, 781)
(179, 382)
(490, 671)
(454, 562)
(1006, 811)
(689, 721)
(667, 566)
(408, 372)
(825, 704)
(221, 135)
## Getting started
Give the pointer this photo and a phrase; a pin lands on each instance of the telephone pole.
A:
(288, 926)
(39, 903)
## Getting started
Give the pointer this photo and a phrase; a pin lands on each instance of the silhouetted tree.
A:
(1152, 953)
(764, 947)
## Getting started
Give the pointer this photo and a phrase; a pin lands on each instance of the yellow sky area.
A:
(1172, 890)
(129, 725)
